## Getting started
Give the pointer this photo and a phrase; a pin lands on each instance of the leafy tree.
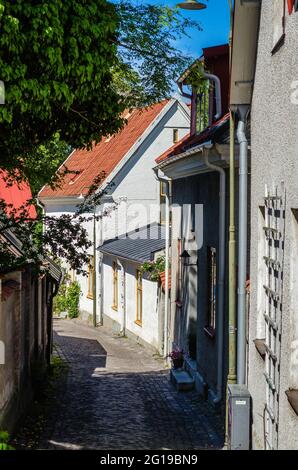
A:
(149, 60)
(41, 166)
(70, 68)
(56, 60)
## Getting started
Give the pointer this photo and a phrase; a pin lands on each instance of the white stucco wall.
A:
(148, 331)
(275, 159)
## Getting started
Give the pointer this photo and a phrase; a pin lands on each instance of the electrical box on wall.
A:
(239, 417)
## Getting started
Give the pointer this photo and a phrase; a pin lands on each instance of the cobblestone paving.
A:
(117, 396)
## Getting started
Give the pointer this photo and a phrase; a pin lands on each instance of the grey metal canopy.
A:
(139, 245)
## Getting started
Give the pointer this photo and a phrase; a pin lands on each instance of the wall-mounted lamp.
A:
(185, 256)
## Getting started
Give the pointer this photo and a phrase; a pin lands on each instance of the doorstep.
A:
(182, 380)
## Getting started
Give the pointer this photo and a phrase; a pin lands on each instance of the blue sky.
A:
(215, 21)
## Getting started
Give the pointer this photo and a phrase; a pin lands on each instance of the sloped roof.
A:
(104, 156)
(218, 131)
(16, 195)
(138, 245)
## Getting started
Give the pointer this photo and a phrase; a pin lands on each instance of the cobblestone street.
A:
(118, 396)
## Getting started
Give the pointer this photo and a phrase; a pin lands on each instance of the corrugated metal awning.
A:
(138, 245)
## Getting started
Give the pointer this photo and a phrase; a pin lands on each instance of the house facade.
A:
(197, 171)
(273, 321)
(134, 302)
(264, 95)
(132, 199)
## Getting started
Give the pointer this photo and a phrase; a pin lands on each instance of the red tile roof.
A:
(16, 195)
(191, 141)
(104, 156)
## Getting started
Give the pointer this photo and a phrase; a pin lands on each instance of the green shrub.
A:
(4, 439)
(59, 302)
(72, 299)
(67, 299)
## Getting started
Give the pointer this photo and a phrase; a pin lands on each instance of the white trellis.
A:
(274, 258)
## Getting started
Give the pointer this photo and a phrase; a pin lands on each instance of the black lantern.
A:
(185, 256)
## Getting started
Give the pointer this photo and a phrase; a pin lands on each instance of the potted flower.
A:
(177, 358)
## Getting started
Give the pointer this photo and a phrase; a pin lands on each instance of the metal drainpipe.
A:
(221, 274)
(242, 246)
(232, 377)
(123, 299)
(100, 264)
(95, 271)
(167, 267)
(167, 260)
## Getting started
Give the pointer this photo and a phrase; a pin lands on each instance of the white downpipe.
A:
(221, 275)
(167, 266)
(122, 299)
(100, 266)
(242, 246)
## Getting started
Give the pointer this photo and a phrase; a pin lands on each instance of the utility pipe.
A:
(167, 267)
(221, 275)
(167, 181)
(123, 299)
(232, 377)
(100, 269)
(193, 98)
(242, 246)
(218, 100)
(94, 293)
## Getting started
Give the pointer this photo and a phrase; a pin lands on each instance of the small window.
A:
(115, 286)
(90, 277)
(212, 273)
(175, 136)
(139, 298)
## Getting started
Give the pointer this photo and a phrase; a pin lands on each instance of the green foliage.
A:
(67, 299)
(60, 300)
(41, 165)
(72, 299)
(4, 441)
(154, 268)
(56, 60)
(70, 68)
(196, 77)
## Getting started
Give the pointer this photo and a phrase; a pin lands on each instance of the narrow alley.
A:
(118, 396)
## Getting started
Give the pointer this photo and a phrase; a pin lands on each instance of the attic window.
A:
(175, 136)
